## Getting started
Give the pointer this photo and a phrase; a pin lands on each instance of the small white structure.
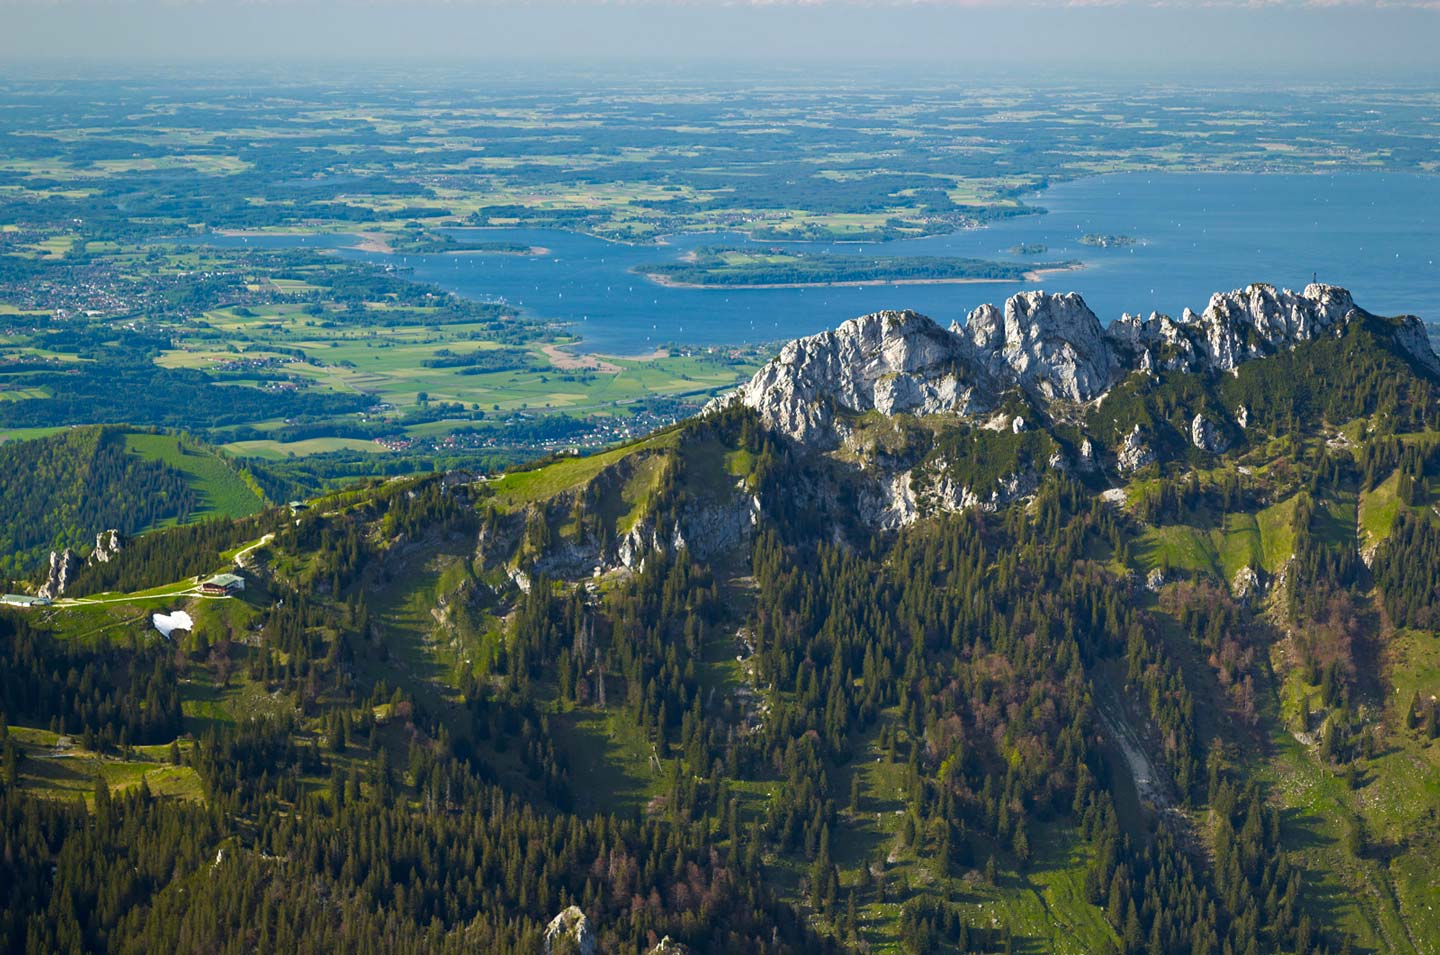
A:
(24, 600)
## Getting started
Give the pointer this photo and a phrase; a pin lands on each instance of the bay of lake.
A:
(1377, 234)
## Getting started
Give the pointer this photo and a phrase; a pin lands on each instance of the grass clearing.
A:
(223, 491)
(58, 767)
(609, 758)
(1378, 510)
(272, 450)
(1277, 534)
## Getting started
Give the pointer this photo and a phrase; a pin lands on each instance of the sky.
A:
(1305, 39)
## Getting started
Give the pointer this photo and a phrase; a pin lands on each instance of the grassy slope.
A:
(70, 771)
(223, 491)
(525, 487)
(1263, 540)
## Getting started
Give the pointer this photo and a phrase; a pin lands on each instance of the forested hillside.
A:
(704, 686)
(62, 490)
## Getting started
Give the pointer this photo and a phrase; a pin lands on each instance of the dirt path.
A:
(192, 593)
(248, 549)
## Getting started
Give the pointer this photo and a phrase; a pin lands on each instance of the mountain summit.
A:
(1051, 347)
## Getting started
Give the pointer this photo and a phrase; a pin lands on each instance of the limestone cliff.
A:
(890, 362)
(1050, 347)
(1041, 351)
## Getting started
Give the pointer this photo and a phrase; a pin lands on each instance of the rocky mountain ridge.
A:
(1051, 347)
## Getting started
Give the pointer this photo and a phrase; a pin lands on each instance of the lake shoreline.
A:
(1033, 275)
(378, 243)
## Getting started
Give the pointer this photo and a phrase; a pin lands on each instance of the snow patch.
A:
(166, 622)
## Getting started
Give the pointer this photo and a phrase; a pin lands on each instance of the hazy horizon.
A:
(1212, 43)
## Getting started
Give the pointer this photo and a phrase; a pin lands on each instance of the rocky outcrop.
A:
(905, 496)
(1134, 453)
(63, 567)
(107, 547)
(1050, 347)
(668, 946)
(890, 502)
(705, 528)
(1207, 436)
(569, 933)
(708, 521)
(1414, 340)
(1246, 584)
(891, 362)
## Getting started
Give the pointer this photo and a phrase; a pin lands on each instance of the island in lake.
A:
(1105, 241)
(726, 267)
(1028, 248)
(426, 242)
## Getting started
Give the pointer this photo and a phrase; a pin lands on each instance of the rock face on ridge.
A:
(1237, 327)
(63, 567)
(891, 362)
(1042, 352)
(1051, 347)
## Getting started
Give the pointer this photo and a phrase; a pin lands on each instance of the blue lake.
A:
(1378, 234)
